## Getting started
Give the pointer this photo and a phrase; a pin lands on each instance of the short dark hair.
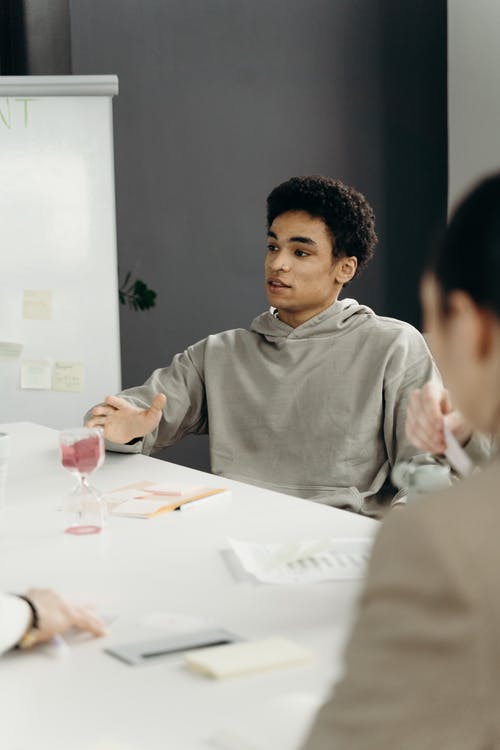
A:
(345, 211)
(468, 256)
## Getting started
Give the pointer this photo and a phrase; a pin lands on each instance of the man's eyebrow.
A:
(303, 240)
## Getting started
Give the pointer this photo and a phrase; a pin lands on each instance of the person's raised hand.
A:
(121, 421)
(428, 406)
(56, 616)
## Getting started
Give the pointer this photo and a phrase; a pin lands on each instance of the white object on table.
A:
(305, 561)
(173, 565)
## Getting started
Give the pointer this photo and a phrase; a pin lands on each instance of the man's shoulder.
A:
(393, 327)
(403, 343)
(223, 340)
(229, 336)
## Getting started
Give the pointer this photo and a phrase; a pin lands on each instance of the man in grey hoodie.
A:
(312, 399)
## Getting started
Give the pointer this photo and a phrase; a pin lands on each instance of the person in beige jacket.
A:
(422, 668)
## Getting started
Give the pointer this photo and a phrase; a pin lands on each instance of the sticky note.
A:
(68, 376)
(10, 350)
(37, 304)
(247, 657)
(36, 374)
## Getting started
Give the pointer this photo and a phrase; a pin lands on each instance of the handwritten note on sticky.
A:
(36, 374)
(10, 350)
(37, 304)
(68, 376)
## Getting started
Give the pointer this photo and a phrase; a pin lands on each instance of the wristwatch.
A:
(30, 638)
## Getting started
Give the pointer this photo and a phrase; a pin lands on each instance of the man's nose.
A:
(279, 261)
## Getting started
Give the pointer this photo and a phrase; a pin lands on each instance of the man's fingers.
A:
(116, 402)
(100, 414)
(84, 620)
(102, 410)
(158, 403)
(423, 434)
(96, 422)
(446, 405)
(430, 401)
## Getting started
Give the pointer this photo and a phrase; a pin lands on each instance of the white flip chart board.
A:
(473, 93)
(59, 325)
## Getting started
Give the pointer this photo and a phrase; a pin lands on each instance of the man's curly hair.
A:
(346, 213)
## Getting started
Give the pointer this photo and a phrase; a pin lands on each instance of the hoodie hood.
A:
(344, 315)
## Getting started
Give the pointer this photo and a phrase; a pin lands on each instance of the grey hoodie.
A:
(316, 411)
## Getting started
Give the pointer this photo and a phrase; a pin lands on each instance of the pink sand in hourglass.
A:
(84, 455)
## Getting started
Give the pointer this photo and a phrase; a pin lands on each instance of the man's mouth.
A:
(277, 284)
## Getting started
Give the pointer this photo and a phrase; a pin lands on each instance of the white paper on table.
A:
(174, 489)
(121, 496)
(311, 561)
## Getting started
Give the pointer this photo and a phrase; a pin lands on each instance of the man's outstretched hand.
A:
(121, 421)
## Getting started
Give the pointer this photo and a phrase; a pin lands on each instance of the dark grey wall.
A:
(219, 101)
(35, 37)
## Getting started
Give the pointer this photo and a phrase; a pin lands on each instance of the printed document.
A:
(311, 561)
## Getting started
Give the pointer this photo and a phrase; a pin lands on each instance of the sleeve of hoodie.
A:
(185, 412)
(410, 366)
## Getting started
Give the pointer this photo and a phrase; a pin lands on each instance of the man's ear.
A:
(476, 327)
(346, 269)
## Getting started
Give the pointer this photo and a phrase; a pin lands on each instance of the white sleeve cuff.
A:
(15, 617)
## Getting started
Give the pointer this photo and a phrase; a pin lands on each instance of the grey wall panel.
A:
(219, 101)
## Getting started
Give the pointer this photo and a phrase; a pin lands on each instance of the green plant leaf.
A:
(137, 294)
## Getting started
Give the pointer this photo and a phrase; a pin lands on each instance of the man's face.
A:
(301, 272)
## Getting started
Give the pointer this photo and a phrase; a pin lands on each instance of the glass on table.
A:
(82, 452)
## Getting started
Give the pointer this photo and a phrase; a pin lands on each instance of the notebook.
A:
(249, 656)
(147, 500)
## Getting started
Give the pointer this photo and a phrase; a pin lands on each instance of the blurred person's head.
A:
(321, 233)
(461, 301)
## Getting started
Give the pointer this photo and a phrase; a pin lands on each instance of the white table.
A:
(143, 571)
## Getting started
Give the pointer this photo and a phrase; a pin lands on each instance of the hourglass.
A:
(82, 452)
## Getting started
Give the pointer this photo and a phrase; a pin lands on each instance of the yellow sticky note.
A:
(10, 350)
(36, 374)
(37, 304)
(68, 376)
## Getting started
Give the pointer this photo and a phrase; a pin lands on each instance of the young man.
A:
(312, 399)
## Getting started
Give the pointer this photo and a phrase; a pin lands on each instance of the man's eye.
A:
(272, 248)
(301, 254)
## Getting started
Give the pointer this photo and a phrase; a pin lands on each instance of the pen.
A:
(201, 501)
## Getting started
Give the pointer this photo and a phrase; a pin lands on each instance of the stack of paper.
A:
(309, 561)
